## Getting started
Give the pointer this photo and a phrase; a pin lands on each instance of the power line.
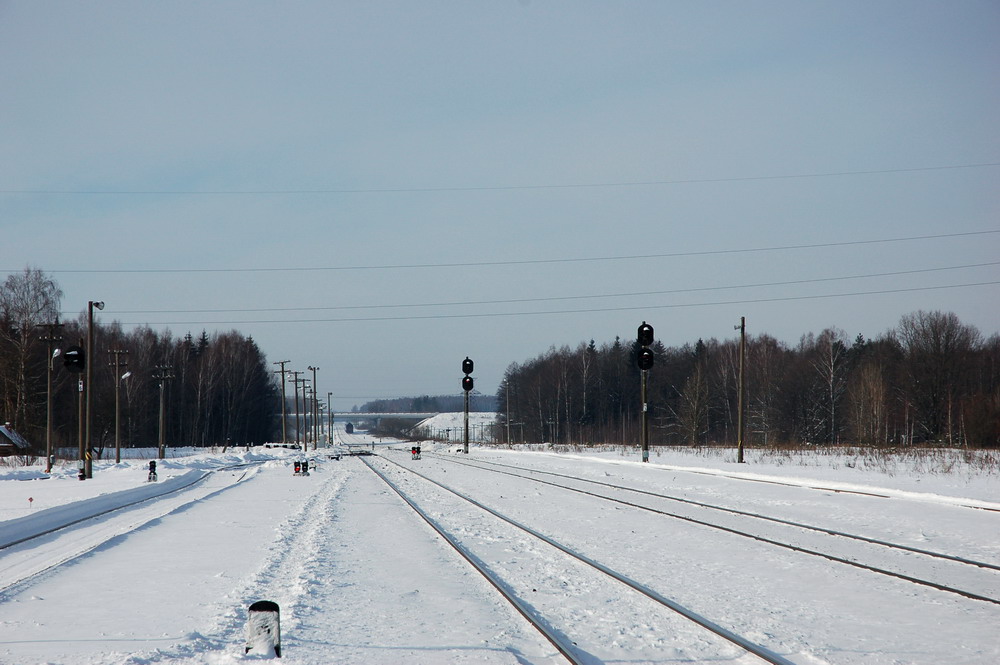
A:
(552, 298)
(520, 262)
(573, 311)
(481, 188)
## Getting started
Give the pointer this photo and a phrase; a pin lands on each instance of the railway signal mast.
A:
(645, 361)
(467, 385)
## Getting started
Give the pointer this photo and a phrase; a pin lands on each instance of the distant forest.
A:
(932, 379)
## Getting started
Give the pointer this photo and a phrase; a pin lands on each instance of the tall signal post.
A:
(75, 360)
(467, 385)
(645, 361)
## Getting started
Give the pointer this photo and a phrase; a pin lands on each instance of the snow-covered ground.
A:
(361, 579)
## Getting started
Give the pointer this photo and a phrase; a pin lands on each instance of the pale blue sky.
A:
(352, 138)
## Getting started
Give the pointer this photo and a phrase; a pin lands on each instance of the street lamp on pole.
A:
(50, 338)
(88, 387)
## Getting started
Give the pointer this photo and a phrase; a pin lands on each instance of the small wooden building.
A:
(12, 443)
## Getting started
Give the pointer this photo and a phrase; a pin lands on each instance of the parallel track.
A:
(563, 644)
(38, 566)
(479, 464)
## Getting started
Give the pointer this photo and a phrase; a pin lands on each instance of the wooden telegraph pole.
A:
(284, 408)
(118, 364)
(163, 376)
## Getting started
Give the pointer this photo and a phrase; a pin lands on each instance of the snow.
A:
(360, 578)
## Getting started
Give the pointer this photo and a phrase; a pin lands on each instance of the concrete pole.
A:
(741, 401)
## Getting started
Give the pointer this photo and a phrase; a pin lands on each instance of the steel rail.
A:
(76, 554)
(742, 513)
(742, 642)
(769, 541)
(549, 634)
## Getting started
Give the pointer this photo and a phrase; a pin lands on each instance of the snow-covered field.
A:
(360, 578)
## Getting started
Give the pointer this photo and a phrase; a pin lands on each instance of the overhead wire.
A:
(480, 188)
(521, 262)
(508, 301)
(645, 306)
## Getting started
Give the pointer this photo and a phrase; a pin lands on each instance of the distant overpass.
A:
(369, 415)
(348, 416)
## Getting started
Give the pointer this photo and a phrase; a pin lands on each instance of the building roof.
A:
(8, 435)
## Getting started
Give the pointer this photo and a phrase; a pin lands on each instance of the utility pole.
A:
(51, 337)
(315, 406)
(329, 412)
(311, 413)
(80, 433)
(118, 364)
(163, 375)
(295, 383)
(305, 413)
(284, 409)
(507, 395)
(89, 385)
(741, 401)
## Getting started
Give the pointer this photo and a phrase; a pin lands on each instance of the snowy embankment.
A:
(57, 517)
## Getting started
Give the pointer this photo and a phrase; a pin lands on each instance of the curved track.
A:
(67, 540)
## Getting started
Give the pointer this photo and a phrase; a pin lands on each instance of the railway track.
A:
(66, 540)
(912, 564)
(487, 548)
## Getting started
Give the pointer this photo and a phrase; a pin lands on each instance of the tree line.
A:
(931, 379)
(217, 389)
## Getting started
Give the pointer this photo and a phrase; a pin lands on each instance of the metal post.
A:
(740, 420)
(88, 386)
(50, 337)
(465, 448)
(80, 426)
(645, 417)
